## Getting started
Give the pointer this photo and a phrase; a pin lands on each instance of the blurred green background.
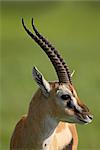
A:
(74, 28)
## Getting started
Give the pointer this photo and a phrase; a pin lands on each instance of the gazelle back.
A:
(53, 110)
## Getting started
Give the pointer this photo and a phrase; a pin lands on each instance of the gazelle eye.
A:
(65, 97)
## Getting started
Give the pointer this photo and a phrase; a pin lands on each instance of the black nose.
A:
(90, 116)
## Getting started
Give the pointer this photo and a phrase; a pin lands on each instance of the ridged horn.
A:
(53, 49)
(60, 70)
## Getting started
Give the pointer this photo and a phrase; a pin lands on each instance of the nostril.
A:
(90, 116)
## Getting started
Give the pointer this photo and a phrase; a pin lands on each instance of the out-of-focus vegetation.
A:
(74, 28)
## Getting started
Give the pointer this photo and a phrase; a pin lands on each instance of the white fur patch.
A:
(47, 142)
(76, 105)
(63, 90)
(46, 84)
(49, 125)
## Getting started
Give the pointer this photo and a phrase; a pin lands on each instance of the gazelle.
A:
(53, 110)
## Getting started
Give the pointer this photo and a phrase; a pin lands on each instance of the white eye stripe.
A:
(76, 104)
(61, 92)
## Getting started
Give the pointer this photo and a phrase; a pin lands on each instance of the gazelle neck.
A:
(40, 118)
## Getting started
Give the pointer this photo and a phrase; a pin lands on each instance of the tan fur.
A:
(17, 140)
(56, 141)
(29, 133)
(75, 136)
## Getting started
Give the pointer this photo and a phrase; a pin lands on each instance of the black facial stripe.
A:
(70, 104)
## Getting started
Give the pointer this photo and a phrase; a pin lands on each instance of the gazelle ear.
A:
(40, 80)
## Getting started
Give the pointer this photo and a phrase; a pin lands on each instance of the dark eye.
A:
(65, 97)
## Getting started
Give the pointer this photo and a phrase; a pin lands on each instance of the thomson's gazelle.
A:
(53, 110)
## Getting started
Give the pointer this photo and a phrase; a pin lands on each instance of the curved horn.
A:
(61, 72)
(53, 49)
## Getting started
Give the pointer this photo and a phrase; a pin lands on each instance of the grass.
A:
(74, 28)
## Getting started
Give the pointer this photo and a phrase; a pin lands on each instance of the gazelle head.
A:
(64, 103)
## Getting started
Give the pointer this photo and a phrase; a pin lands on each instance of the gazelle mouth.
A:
(84, 121)
(87, 119)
